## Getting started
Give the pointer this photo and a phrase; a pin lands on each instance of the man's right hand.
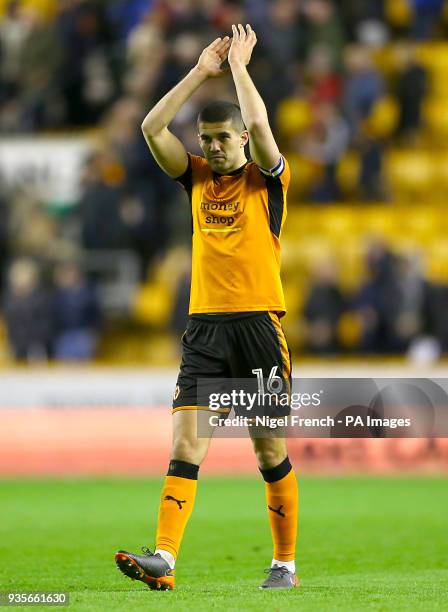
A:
(209, 63)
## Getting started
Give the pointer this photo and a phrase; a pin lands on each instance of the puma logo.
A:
(179, 502)
(277, 510)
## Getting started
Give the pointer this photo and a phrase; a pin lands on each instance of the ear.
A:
(244, 138)
(199, 142)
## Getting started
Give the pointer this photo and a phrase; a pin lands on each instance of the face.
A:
(223, 145)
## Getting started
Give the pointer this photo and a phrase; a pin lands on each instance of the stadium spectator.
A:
(323, 28)
(32, 232)
(280, 34)
(27, 312)
(99, 207)
(191, 16)
(184, 46)
(116, 214)
(363, 17)
(378, 303)
(146, 52)
(76, 315)
(411, 88)
(40, 62)
(125, 15)
(426, 15)
(324, 84)
(323, 309)
(4, 241)
(13, 33)
(413, 291)
(363, 85)
(324, 144)
(84, 35)
(144, 220)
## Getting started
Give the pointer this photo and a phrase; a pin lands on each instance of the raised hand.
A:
(212, 57)
(242, 45)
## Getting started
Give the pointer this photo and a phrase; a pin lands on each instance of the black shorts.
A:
(229, 346)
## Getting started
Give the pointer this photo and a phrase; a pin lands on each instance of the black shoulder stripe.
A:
(275, 203)
(186, 179)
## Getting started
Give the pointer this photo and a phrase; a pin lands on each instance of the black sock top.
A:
(183, 469)
(278, 472)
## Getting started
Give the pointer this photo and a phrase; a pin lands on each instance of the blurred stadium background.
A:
(95, 241)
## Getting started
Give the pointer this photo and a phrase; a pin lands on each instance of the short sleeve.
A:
(195, 163)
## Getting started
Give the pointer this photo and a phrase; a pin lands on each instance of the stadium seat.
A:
(383, 119)
(348, 173)
(440, 164)
(435, 113)
(398, 13)
(436, 261)
(410, 174)
(153, 304)
(294, 115)
(304, 174)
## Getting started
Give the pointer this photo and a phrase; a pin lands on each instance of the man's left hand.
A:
(242, 45)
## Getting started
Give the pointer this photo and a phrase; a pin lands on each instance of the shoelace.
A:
(277, 572)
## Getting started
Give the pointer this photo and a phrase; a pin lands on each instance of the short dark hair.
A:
(222, 111)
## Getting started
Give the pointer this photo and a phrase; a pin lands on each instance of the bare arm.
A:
(263, 148)
(166, 148)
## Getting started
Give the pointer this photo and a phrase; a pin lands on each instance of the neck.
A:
(240, 162)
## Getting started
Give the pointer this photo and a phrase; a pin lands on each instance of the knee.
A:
(192, 451)
(270, 456)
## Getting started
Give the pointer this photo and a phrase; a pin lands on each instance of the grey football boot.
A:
(279, 577)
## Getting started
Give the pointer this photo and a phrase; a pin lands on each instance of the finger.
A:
(224, 54)
(214, 44)
(242, 31)
(250, 31)
(222, 45)
(225, 50)
(224, 40)
(236, 34)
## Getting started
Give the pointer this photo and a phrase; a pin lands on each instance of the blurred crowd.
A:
(71, 65)
(394, 311)
(60, 323)
(66, 64)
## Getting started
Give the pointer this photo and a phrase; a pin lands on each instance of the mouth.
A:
(217, 157)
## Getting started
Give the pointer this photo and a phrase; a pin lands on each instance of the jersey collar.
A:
(234, 172)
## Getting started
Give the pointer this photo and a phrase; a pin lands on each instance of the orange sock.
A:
(283, 506)
(176, 505)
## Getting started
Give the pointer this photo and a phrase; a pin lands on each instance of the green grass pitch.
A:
(364, 544)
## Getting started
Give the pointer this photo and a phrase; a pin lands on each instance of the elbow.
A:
(149, 128)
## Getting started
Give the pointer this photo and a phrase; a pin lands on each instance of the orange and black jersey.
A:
(237, 221)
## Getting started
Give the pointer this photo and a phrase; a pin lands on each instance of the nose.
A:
(214, 146)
